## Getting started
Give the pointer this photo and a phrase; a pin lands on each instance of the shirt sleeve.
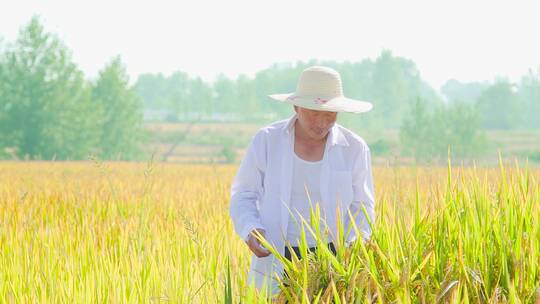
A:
(247, 188)
(364, 197)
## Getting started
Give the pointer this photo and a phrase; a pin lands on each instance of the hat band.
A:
(318, 99)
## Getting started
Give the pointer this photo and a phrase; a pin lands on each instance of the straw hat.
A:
(320, 88)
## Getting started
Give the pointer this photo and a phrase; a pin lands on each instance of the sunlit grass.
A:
(475, 239)
(121, 232)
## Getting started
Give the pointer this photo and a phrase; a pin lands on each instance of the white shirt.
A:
(262, 188)
(305, 194)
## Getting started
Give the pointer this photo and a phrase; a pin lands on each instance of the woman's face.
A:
(316, 124)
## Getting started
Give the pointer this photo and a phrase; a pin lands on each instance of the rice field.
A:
(95, 232)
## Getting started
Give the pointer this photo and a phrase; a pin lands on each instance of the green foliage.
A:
(500, 106)
(121, 117)
(396, 82)
(178, 94)
(427, 134)
(455, 91)
(380, 147)
(535, 156)
(529, 93)
(227, 292)
(46, 109)
(417, 133)
(229, 153)
(49, 111)
(462, 132)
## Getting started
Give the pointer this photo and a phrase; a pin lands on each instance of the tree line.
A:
(48, 110)
(389, 82)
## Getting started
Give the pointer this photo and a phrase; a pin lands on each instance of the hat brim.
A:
(336, 104)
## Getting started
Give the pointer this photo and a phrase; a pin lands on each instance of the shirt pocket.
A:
(342, 188)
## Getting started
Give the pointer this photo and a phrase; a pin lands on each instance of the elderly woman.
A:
(294, 164)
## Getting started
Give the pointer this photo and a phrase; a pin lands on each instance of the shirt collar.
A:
(336, 137)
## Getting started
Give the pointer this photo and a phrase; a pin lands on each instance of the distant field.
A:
(204, 143)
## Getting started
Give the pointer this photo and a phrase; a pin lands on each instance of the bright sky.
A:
(467, 40)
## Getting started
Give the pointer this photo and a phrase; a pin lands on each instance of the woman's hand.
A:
(255, 246)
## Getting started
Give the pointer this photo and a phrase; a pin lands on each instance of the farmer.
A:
(294, 164)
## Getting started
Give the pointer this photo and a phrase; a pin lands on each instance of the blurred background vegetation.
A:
(50, 111)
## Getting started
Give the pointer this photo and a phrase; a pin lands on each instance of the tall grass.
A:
(474, 240)
(121, 232)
